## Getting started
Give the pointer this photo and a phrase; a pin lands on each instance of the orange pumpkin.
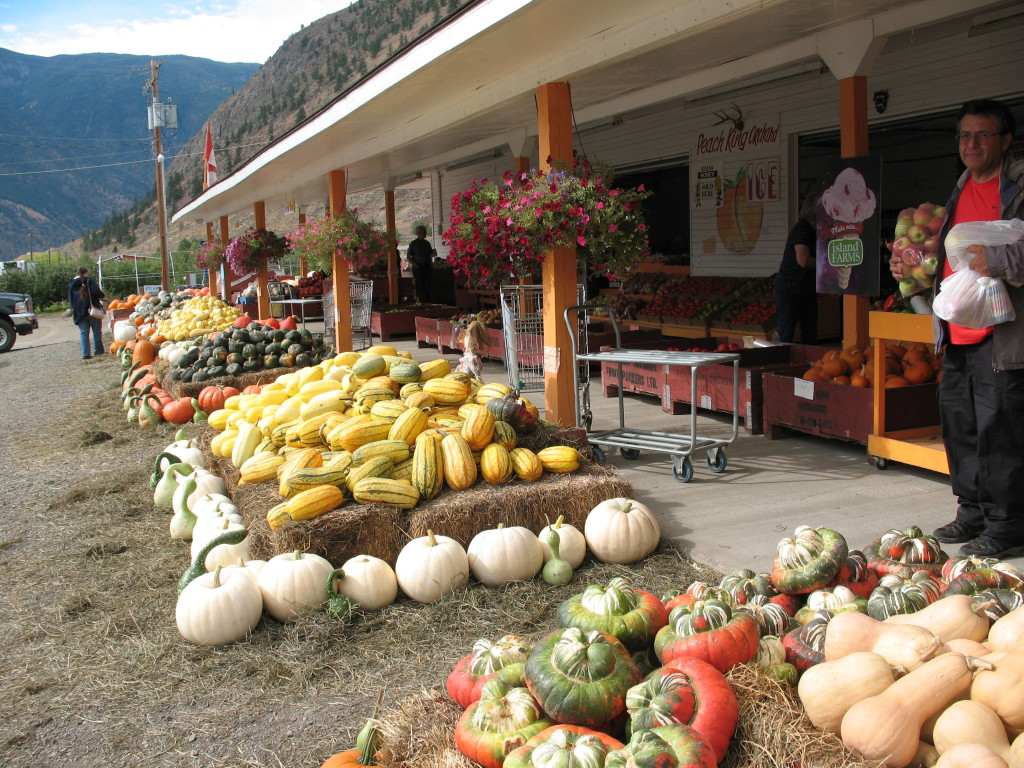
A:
(144, 352)
(115, 346)
(179, 411)
(252, 389)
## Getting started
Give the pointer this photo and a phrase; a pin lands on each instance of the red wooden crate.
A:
(841, 411)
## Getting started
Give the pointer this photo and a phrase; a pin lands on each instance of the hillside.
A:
(308, 72)
(88, 112)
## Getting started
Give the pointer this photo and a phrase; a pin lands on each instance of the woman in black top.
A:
(796, 298)
(84, 294)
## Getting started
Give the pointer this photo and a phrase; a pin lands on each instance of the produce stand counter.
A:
(288, 308)
(921, 446)
(401, 322)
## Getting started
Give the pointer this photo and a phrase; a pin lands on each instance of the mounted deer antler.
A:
(725, 117)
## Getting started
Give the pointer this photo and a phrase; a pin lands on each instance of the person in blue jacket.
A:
(83, 295)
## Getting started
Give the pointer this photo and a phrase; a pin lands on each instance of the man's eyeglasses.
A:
(982, 136)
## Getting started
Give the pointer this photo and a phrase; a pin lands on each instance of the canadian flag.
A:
(209, 161)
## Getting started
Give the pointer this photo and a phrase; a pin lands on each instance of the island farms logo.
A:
(761, 135)
(848, 252)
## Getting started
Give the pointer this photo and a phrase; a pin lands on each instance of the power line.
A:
(127, 162)
(66, 138)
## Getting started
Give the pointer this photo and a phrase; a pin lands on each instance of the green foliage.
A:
(47, 284)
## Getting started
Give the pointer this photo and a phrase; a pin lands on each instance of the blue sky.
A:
(224, 30)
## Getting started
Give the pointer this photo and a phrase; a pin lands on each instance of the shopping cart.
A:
(522, 320)
(631, 441)
(360, 305)
(361, 298)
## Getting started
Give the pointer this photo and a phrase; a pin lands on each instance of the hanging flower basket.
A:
(363, 244)
(210, 256)
(254, 248)
(501, 231)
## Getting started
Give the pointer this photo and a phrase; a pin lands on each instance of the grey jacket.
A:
(1005, 261)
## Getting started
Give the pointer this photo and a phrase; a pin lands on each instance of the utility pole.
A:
(31, 245)
(161, 204)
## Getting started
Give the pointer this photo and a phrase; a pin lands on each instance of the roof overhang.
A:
(468, 88)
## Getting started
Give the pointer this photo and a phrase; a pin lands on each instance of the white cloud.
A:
(228, 33)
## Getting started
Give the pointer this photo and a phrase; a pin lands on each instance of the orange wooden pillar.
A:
(336, 194)
(522, 165)
(259, 214)
(853, 122)
(393, 270)
(303, 267)
(211, 273)
(554, 119)
(225, 270)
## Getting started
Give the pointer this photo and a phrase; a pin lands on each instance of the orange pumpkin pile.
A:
(913, 363)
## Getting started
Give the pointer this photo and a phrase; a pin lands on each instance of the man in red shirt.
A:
(981, 394)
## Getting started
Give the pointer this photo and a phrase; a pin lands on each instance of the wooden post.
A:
(336, 193)
(522, 165)
(554, 119)
(211, 273)
(853, 122)
(393, 269)
(303, 267)
(224, 240)
(259, 214)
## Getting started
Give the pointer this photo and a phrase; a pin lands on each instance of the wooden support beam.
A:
(303, 266)
(211, 273)
(259, 215)
(393, 269)
(522, 165)
(224, 240)
(554, 120)
(336, 203)
(853, 127)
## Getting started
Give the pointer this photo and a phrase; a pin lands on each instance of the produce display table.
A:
(403, 321)
(921, 446)
(288, 308)
(714, 382)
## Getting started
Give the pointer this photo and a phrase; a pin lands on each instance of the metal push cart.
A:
(522, 322)
(631, 441)
(360, 292)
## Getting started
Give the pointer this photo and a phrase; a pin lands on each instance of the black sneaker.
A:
(986, 546)
(87, 357)
(956, 533)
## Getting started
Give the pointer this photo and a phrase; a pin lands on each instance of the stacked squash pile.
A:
(913, 363)
(905, 653)
(379, 428)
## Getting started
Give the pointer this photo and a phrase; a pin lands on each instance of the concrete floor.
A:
(734, 519)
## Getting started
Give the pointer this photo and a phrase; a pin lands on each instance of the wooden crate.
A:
(403, 322)
(672, 384)
(840, 411)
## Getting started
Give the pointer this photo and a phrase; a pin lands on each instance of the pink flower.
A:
(640, 188)
(613, 227)
(581, 241)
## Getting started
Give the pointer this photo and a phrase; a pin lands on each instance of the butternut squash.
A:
(951, 618)
(902, 645)
(1017, 752)
(970, 756)
(968, 722)
(967, 647)
(925, 757)
(1007, 631)
(1002, 688)
(885, 727)
(829, 689)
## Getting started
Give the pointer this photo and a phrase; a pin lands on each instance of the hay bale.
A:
(773, 729)
(464, 514)
(178, 389)
(419, 733)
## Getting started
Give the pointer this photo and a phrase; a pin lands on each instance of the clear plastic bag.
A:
(969, 299)
(962, 236)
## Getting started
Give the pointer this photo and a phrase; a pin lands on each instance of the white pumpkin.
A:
(186, 453)
(206, 483)
(572, 544)
(369, 581)
(621, 531)
(294, 584)
(501, 555)
(206, 530)
(213, 505)
(251, 568)
(219, 607)
(430, 567)
(124, 330)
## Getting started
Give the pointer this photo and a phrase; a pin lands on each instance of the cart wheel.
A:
(598, 453)
(880, 462)
(682, 470)
(716, 460)
(632, 454)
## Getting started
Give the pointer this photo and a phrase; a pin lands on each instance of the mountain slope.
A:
(76, 111)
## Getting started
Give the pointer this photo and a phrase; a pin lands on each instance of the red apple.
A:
(923, 214)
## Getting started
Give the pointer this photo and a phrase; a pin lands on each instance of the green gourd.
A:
(183, 520)
(163, 494)
(198, 567)
(338, 605)
(556, 570)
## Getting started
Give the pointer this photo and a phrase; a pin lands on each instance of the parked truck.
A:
(16, 318)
